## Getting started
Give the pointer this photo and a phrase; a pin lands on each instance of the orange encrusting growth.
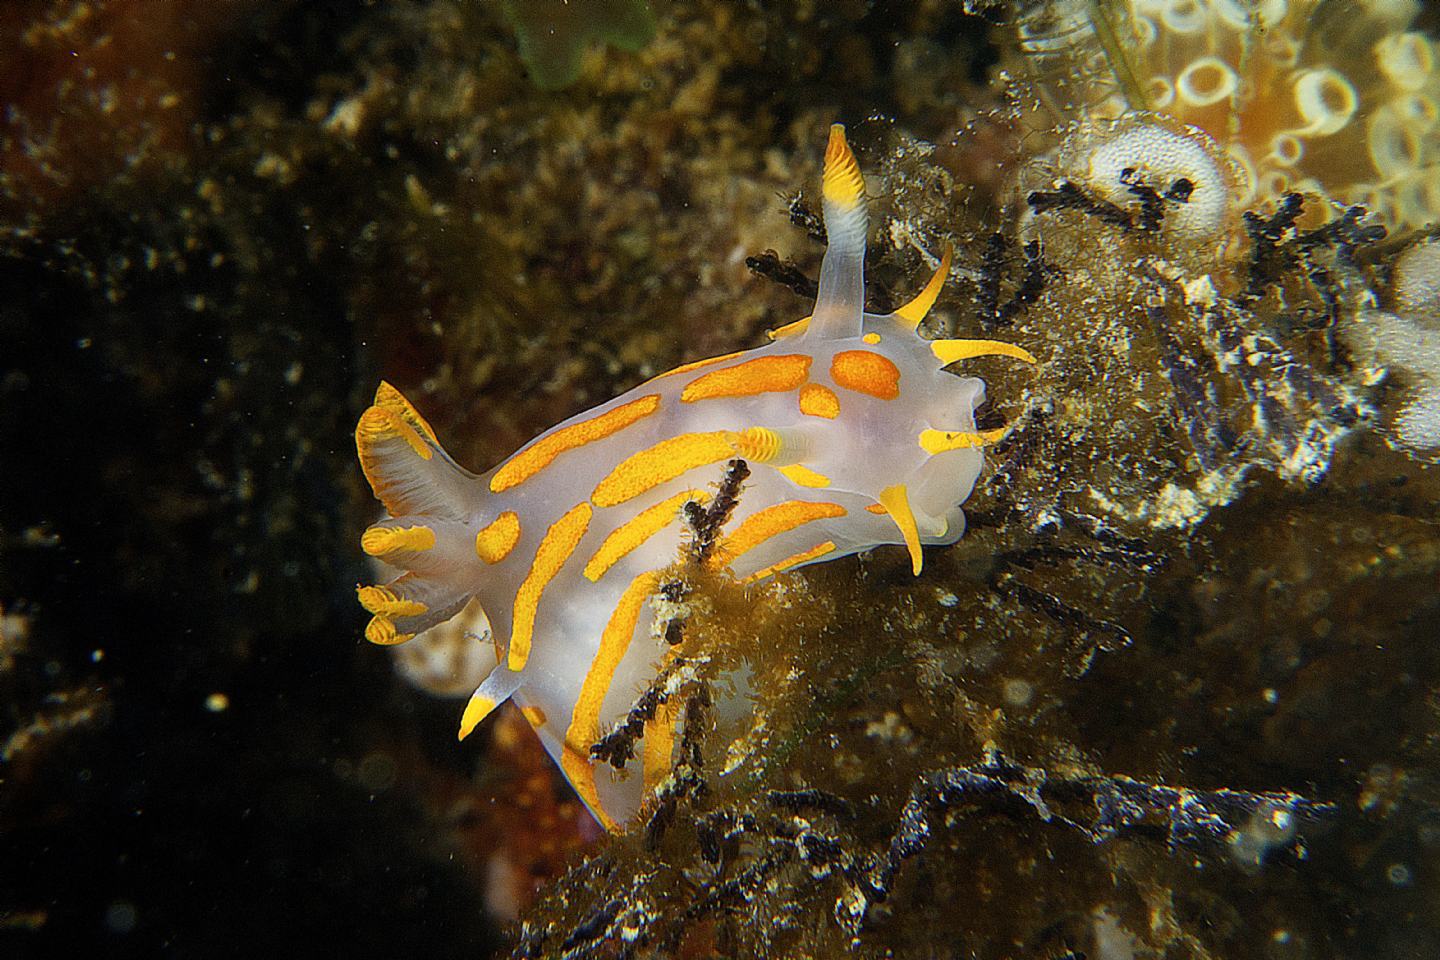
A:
(771, 522)
(842, 184)
(762, 375)
(499, 537)
(543, 452)
(555, 548)
(639, 528)
(584, 727)
(659, 464)
(817, 400)
(794, 560)
(866, 371)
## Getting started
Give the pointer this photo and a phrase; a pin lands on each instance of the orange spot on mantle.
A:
(819, 401)
(865, 371)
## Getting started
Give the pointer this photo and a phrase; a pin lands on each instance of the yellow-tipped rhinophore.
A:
(843, 185)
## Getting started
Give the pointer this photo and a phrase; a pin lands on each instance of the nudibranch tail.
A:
(841, 301)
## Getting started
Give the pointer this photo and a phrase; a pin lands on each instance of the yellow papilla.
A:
(381, 631)
(388, 541)
(914, 311)
(896, 501)
(941, 441)
(393, 400)
(387, 603)
(949, 351)
(479, 707)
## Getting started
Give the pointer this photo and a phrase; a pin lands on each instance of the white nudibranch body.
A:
(855, 434)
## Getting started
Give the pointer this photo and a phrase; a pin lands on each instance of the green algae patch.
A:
(554, 34)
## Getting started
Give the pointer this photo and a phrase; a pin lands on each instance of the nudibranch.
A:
(855, 434)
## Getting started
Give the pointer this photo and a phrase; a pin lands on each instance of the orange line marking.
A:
(543, 452)
(585, 718)
(771, 522)
(555, 548)
(635, 531)
(761, 375)
(659, 464)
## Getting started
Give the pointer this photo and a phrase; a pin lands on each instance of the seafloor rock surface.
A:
(1176, 694)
